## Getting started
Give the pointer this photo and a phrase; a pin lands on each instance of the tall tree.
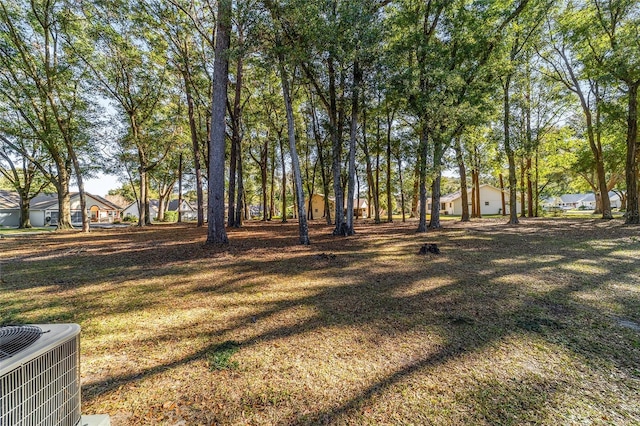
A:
(216, 233)
(614, 49)
(129, 63)
(41, 81)
(570, 71)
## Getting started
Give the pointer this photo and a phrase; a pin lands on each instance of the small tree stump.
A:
(429, 248)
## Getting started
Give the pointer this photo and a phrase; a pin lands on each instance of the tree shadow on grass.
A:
(493, 287)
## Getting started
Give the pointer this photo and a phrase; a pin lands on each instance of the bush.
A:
(170, 217)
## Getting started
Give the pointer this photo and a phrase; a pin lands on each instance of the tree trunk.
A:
(334, 123)
(477, 185)
(474, 188)
(284, 180)
(80, 181)
(522, 190)
(25, 222)
(422, 177)
(402, 201)
(389, 197)
(631, 165)
(64, 202)
(303, 228)
(323, 171)
(502, 199)
(438, 152)
(416, 189)
(195, 146)
(216, 233)
(240, 196)
(234, 159)
(529, 189)
(357, 76)
(513, 208)
(463, 180)
(180, 189)
(272, 191)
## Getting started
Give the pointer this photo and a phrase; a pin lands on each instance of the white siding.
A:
(36, 217)
(9, 218)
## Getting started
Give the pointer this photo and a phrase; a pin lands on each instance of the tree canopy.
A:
(273, 101)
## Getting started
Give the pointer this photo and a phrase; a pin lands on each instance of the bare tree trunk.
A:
(390, 117)
(422, 177)
(529, 189)
(522, 190)
(504, 203)
(272, 192)
(180, 189)
(337, 151)
(240, 196)
(463, 180)
(438, 152)
(196, 148)
(631, 169)
(303, 228)
(513, 209)
(357, 76)
(284, 180)
(402, 200)
(216, 233)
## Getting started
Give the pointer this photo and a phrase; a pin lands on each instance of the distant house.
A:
(586, 201)
(188, 211)
(132, 211)
(9, 208)
(360, 206)
(43, 209)
(490, 201)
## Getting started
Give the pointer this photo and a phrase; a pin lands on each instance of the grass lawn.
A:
(25, 231)
(531, 324)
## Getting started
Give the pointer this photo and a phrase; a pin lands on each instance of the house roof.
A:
(173, 206)
(9, 200)
(572, 198)
(104, 201)
(46, 201)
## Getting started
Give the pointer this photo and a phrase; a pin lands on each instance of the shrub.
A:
(170, 217)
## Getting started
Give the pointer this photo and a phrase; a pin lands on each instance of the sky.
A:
(99, 185)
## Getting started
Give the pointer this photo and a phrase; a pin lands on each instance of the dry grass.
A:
(532, 324)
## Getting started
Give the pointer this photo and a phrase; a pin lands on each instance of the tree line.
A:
(281, 99)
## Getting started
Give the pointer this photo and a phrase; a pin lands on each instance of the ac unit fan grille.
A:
(13, 339)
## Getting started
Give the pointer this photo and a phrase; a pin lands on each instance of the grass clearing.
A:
(529, 324)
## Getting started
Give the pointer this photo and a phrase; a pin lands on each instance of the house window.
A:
(316, 210)
(486, 203)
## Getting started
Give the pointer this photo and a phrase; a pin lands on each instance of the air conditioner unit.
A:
(40, 375)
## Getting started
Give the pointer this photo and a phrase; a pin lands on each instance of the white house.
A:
(188, 211)
(360, 206)
(9, 208)
(585, 201)
(43, 209)
(132, 211)
(490, 201)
